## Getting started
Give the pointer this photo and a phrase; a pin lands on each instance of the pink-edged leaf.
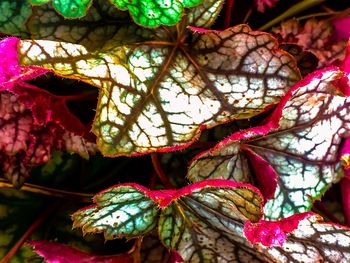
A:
(45, 106)
(203, 222)
(272, 233)
(301, 238)
(33, 122)
(300, 143)
(315, 36)
(54, 252)
(148, 104)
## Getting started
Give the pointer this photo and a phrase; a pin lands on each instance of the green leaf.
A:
(158, 94)
(67, 8)
(202, 222)
(18, 210)
(14, 14)
(300, 143)
(148, 13)
(120, 211)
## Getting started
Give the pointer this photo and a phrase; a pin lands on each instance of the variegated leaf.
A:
(157, 95)
(298, 147)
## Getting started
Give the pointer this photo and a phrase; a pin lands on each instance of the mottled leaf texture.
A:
(14, 15)
(315, 36)
(103, 22)
(147, 13)
(203, 222)
(67, 8)
(299, 143)
(33, 122)
(157, 95)
(306, 239)
(54, 252)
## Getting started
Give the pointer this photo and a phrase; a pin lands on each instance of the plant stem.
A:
(159, 171)
(42, 217)
(50, 191)
(295, 9)
(315, 15)
(228, 13)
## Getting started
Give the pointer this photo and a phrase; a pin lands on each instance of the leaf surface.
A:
(54, 252)
(33, 122)
(157, 95)
(202, 222)
(302, 238)
(149, 13)
(299, 143)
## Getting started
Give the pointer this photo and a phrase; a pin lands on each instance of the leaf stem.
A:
(295, 9)
(228, 13)
(84, 197)
(42, 217)
(159, 171)
(316, 15)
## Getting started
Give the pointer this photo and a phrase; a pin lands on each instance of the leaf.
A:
(306, 239)
(18, 210)
(299, 142)
(32, 121)
(122, 211)
(203, 222)
(54, 252)
(149, 13)
(231, 74)
(13, 17)
(70, 9)
(102, 23)
(314, 36)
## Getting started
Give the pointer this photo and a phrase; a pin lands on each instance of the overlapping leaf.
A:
(32, 121)
(202, 222)
(158, 94)
(59, 253)
(302, 238)
(18, 210)
(149, 13)
(314, 36)
(102, 23)
(298, 147)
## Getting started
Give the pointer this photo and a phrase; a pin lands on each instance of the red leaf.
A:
(272, 233)
(58, 253)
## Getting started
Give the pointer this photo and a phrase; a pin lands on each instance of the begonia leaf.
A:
(202, 222)
(301, 238)
(314, 36)
(149, 13)
(54, 252)
(299, 145)
(148, 104)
